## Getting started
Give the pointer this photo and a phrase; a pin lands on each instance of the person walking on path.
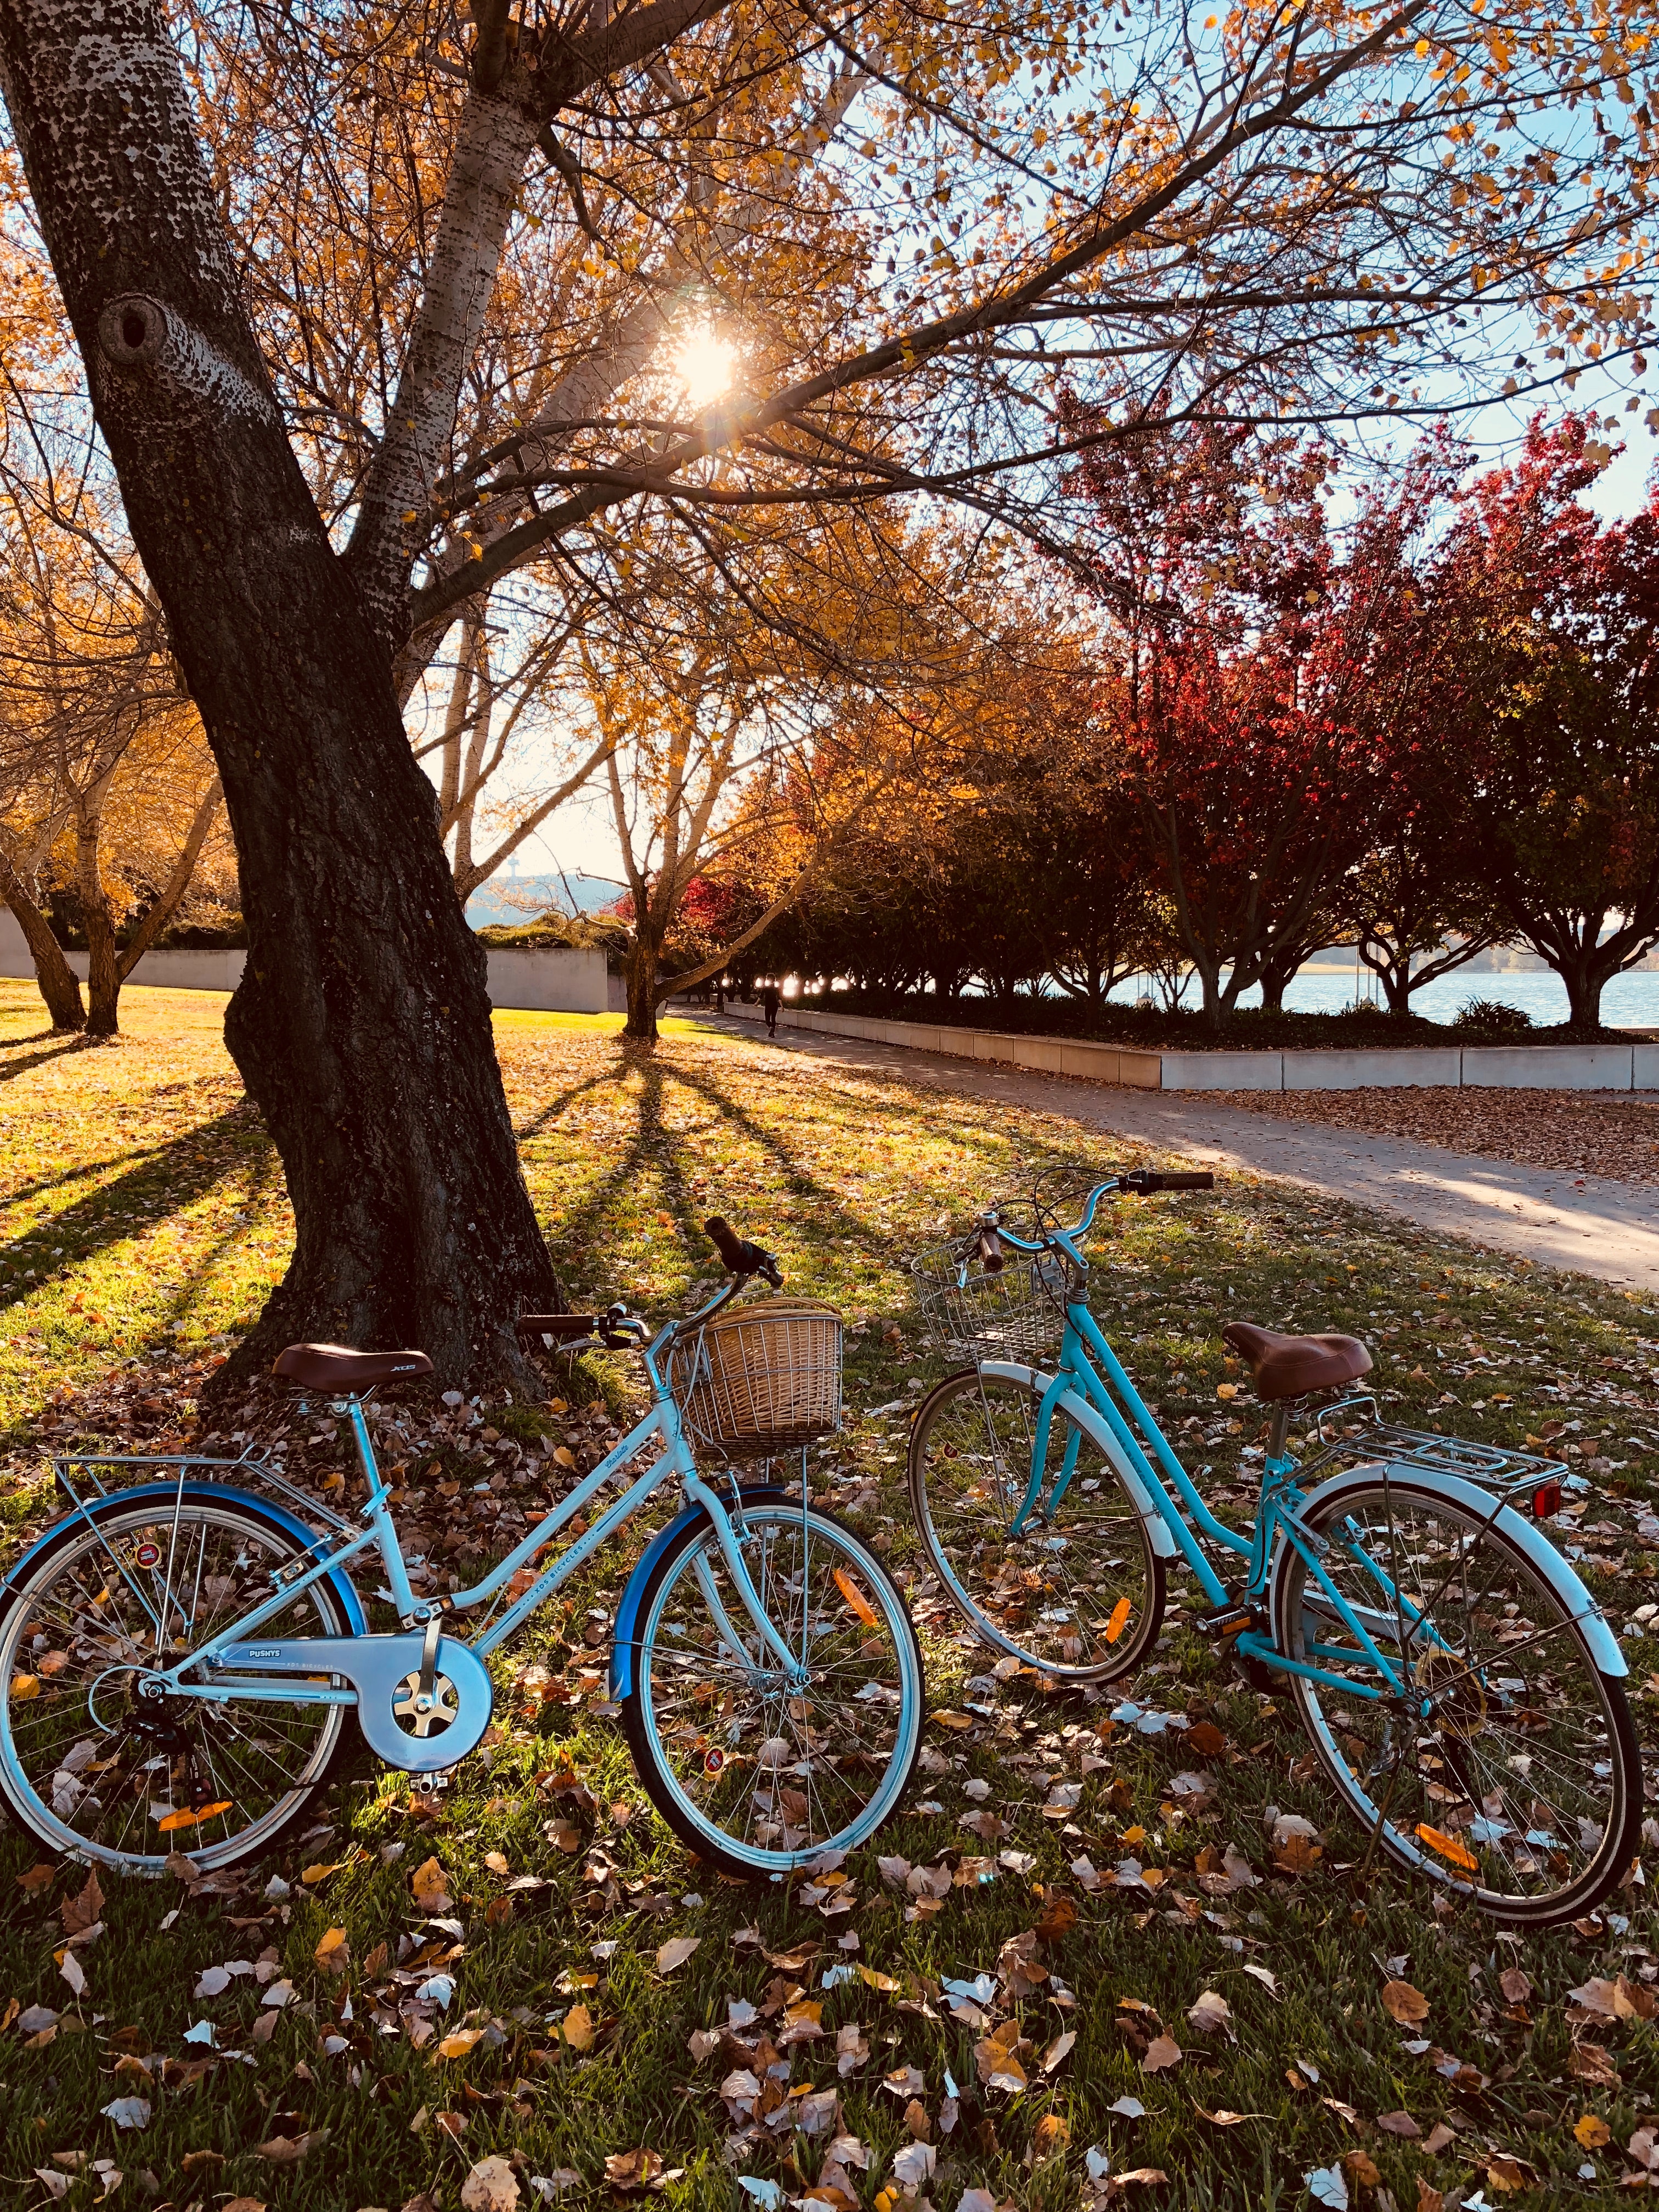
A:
(770, 1004)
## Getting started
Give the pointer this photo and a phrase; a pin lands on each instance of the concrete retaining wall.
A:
(540, 979)
(1527, 1066)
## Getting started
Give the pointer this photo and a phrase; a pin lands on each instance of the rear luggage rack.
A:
(1353, 1431)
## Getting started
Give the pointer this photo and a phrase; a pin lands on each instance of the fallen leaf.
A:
(1327, 2184)
(129, 2112)
(675, 1951)
(577, 2027)
(36, 1877)
(1516, 1985)
(1162, 2051)
(1508, 2174)
(1363, 2167)
(1051, 2134)
(1398, 2123)
(459, 2042)
(430, 1886)
(913, 2166)
(1429, 2199)
(1223, 2119)
(288, 2150)
(1210, 2014)
(79, 1912)
(244, 2204)
(916, 2119)
(1403, 2004)
(492, 2186)
(631, 2173)
(314, 1876)
(73, 1972)
(1438, 2138)
(1058, 2049)
(1593, 2131)
(1059, 1918)
(333, 1953)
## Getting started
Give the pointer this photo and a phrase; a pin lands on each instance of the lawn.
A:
(144, 1217)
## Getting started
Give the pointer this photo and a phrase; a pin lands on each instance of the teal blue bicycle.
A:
(1462, 1692)
(181, 1650)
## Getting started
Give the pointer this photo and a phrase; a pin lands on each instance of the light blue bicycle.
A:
(1458, 1682)
(180, 1650)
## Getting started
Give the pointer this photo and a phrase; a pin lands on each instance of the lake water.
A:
(1629, 1002)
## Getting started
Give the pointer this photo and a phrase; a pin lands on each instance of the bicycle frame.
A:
(1090, 1378)
(675, 1461)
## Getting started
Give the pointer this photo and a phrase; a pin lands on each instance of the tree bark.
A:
(60, 985)
(103, 982)
(362, 1025)
(643, 992)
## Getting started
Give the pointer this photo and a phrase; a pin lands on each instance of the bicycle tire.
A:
(1100, 1621)
(79, 1717)
(718, 1776)
(1519, 1709)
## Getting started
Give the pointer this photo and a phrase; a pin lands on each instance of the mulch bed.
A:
(1594, 1132)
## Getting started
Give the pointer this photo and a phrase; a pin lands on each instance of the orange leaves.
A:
(1404, 2005)
(429, 1886)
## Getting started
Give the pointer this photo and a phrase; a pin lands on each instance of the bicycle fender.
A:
(1096, 1430)
(89, 1514)
(1526, 1536)
(623, 1637)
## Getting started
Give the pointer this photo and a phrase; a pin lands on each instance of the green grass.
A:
(141, 1162)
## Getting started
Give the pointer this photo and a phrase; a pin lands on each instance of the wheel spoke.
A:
(89, 1767)
(1076, 1590)
(1484, 1778)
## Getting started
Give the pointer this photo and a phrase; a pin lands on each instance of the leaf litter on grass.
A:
(569, 2044)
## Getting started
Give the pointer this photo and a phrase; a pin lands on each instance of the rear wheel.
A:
(1509, 1770)
(1075, 1589)
(755, 1775)
(88, 1763)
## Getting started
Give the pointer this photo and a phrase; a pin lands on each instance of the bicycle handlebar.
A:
(742, 1257)
(1139, 1182)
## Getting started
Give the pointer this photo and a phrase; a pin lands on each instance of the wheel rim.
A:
(89, 1765)
(1073, 1595)
(771, 1777)
(1501, 1775)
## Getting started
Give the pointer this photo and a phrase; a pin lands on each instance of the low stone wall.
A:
(1634, 1067)
(537, 979)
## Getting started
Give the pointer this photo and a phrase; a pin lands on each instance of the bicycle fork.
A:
(797, 1674)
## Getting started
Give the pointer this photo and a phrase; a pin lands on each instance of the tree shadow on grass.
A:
(177, 1172)
(11, 1069)
(657, 1149)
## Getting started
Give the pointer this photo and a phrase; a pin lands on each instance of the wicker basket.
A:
(1018, 1313)
(763, 1379)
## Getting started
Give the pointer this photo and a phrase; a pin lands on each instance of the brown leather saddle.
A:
(337, 1367)
(1293, 1366)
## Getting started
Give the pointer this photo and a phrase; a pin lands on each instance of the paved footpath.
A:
(1597, 1225)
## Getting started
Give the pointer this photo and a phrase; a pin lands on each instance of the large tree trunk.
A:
(643, 991)
(362, 1025)
(60, 987)
(103, 976)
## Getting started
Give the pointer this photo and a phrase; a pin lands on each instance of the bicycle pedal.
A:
(1227, 1620)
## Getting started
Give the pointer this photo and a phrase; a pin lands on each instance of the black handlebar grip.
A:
(742, 1257)
(725, 1240)
(1199, 1180)
(988, 1245)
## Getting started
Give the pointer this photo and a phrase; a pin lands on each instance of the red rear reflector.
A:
(1547, 1500)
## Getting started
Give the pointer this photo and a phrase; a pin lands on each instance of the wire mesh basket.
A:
(1018, 1313)
(761, 1380)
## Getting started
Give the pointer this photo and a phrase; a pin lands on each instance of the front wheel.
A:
(88, 1763)
(749, 1771)
(1059, 1572)
(1505, 1765)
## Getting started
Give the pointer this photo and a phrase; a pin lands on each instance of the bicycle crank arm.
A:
(419, 1709)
